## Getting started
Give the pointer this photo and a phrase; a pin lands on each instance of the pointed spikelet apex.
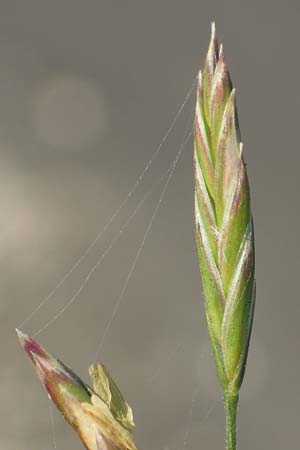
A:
(223, 222)
(87, 412)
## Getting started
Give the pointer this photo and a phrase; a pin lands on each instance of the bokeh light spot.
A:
(69, 112)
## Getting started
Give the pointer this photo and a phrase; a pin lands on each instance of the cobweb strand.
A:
(136, 258)
(53, 433)
(114, 215)
(106, 251)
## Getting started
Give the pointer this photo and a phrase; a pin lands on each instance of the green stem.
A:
(231, 402)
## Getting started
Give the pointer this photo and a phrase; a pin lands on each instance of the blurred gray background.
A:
(87, 91)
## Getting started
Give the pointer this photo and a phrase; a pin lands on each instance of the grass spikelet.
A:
(223, 227)
(100, 415)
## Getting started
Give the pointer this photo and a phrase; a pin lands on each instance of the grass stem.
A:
(231, 403)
